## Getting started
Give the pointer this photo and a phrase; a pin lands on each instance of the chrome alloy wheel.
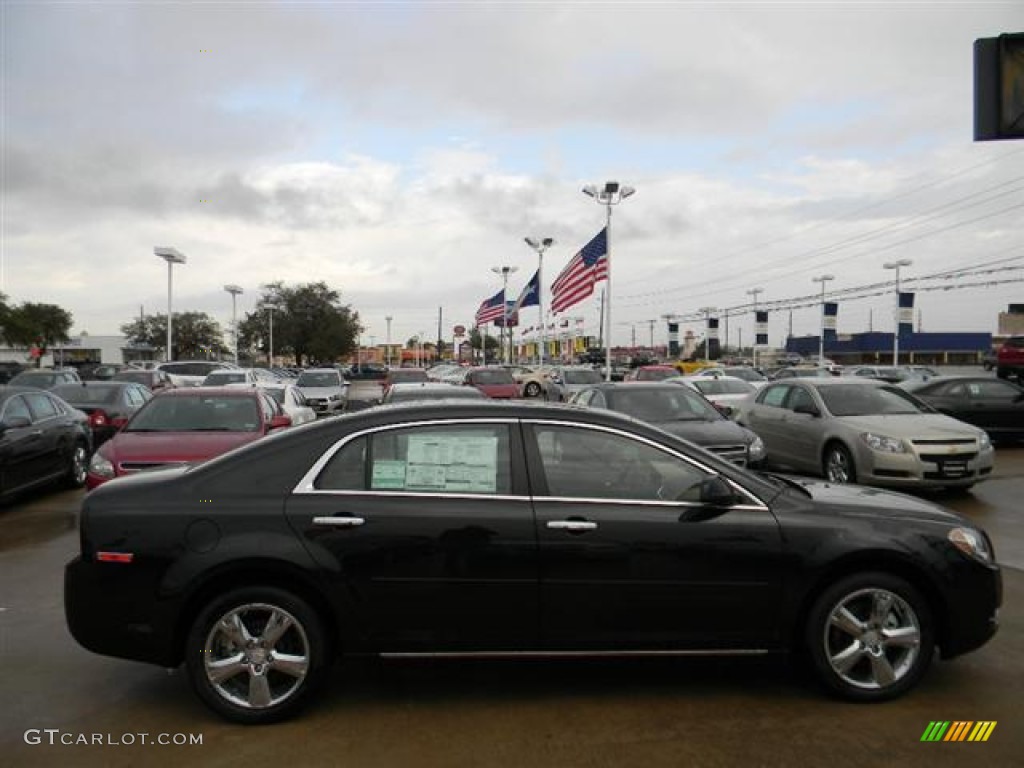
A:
(78, 467)
(839, 466)
(872, 639)
(256, 656)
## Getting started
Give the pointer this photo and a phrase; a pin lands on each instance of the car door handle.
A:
(572, 525)
(339, 522)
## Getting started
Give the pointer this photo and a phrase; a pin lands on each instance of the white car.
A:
(292, 401)
(191, 373)
(251, 377)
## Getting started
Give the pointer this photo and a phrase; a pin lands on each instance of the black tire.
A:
(870, 637)
(532, 389)
(234, 627)
(837, 465)
(1002, 373)
(78, 466)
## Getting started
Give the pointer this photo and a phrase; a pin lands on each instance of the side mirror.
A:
(279, 422)
(716, 492)
(809, 409)
(725, 410)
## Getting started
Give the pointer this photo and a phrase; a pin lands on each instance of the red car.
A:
(496, 383)
(186, 425)
(1010, 359)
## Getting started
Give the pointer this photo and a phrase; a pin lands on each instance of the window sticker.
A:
(388, 475)
(452, 463)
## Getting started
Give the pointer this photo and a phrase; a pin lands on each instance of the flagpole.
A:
(612, 193)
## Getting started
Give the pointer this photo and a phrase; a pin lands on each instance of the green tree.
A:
(193, 335)
(31, 324)
(310, 323)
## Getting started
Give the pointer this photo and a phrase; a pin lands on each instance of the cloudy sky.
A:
(398, 151)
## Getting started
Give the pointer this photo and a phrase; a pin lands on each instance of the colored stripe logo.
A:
(958, 730)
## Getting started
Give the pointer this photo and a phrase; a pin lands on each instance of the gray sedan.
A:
(867, 432)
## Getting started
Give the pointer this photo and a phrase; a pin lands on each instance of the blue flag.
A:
(530, 295)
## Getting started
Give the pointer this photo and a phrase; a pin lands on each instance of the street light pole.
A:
(270, 345)
(540, 245)
(234, 290)
(755, 292)
(821, 338)
(707, 332)
(896, 310)
(612, 193)
(172, 257)
(388, 354)
(504, 272)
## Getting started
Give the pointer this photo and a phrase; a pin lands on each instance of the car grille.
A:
(737, 454)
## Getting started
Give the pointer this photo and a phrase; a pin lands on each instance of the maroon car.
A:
(186, 425)
(108, 404)
(496, 383)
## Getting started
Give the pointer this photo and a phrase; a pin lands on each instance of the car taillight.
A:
(97, 418)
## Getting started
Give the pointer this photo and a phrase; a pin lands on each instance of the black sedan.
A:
(995, 405)
(521, 530)
(681, 411)
(108, 404)
(43, 440)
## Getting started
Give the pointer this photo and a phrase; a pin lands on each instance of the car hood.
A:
(173, 446)
(920, 426)
(860, 500)
(715, 432)
(323, 392)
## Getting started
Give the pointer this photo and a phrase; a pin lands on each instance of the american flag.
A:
(492, 309)
(576, 281)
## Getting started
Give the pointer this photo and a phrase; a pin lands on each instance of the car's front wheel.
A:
(256, 654)
(532, 389)
(78, 466)
(870, 637)
(838, 464)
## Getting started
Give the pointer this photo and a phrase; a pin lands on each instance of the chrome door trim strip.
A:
(579, 654)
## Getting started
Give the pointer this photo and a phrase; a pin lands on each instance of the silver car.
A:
(864, 431)
(567, 380)
(324, 389)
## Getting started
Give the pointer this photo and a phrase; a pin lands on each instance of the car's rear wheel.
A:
(870, 637)
(256, 654)
(839, 466)
(532, 389)
(78, 466)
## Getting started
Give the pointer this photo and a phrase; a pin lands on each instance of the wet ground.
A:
(706, 713)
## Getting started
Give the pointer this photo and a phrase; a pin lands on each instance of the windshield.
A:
(319, 379)
(198, 413)
(581, 376)
(277, 393)
(859, 400)
(658, 405)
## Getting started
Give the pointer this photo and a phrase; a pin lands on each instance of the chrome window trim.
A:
(756, 503)
(305, 485)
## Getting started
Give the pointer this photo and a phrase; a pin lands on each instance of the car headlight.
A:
(972, 543)
(756, 449)
(100, 466)
(984, 441)
(884, 443)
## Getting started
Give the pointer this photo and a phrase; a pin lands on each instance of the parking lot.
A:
(705, 713)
